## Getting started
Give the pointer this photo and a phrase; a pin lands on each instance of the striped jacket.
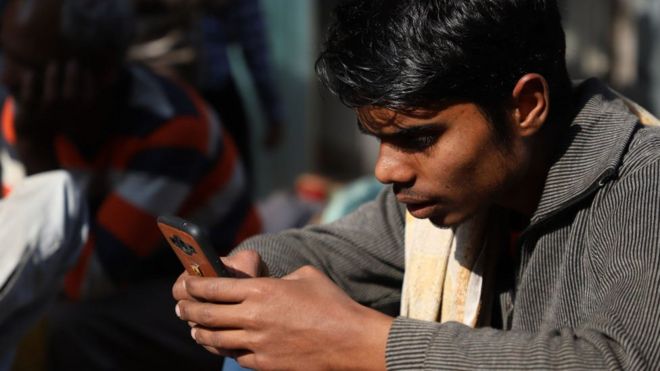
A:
(167, 154)
(586, 293)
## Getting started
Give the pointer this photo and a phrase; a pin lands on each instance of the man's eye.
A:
(416, 143)
(425, 141)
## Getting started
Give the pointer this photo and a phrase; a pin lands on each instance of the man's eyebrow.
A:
(402, 131)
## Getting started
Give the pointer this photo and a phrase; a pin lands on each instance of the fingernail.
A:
(192, 333)
(177, 310)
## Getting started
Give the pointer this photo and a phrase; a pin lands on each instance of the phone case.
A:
(191, 247)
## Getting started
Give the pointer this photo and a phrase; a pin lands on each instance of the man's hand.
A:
(44, 102)
(58, 92)
(302, 321)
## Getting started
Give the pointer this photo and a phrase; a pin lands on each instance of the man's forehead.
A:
(377, 118)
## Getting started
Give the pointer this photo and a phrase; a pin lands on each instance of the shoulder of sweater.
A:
(643, 151)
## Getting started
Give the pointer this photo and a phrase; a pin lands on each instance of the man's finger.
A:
(213, 315)
(202, 314)
(222, 290)
(306, 271)
(223, 340)
(247, 360)
(179, 291)
(245, 264)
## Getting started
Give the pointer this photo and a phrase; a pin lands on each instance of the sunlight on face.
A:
(444, 165)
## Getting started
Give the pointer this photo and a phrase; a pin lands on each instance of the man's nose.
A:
(392, 166)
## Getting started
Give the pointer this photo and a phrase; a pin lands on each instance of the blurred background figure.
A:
(191, 39)
(139, 145)
(44, 225)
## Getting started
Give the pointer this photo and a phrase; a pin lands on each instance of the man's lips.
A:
(421, 209)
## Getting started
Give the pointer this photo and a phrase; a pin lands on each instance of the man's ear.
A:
(531, 104)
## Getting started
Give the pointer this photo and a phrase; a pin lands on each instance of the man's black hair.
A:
(412, 54)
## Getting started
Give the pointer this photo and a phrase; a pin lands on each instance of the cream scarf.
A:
(444, 270)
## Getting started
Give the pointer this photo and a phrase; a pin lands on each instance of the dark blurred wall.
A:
(617, 41)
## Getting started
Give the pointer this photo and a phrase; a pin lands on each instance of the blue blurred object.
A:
(230, 364)
(350, 197)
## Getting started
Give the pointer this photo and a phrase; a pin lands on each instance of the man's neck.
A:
(525, 197)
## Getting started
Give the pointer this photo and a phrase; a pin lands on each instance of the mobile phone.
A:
(192, 247)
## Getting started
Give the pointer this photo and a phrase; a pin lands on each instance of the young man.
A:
(521, 228)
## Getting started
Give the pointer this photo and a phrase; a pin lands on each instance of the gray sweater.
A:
(586, 291)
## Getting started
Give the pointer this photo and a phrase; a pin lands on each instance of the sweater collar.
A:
(591, 150)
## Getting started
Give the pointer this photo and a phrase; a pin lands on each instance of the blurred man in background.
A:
(139, 145)
(192, 38)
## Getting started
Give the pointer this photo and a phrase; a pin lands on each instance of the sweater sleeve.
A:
(420, 345)
(619, 326)
(363, 252)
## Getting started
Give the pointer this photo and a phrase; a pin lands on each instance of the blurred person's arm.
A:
(44, 99)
